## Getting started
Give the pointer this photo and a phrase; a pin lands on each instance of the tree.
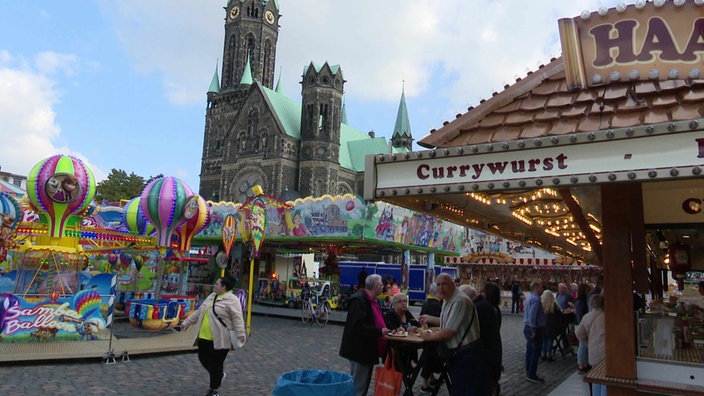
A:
(119, 185)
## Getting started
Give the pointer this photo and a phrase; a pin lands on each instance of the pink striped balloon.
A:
(60, 186)
(163, 202)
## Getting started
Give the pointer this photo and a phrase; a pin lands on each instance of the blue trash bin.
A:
(314, 383)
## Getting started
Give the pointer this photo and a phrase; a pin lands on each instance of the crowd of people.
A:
(468, 323)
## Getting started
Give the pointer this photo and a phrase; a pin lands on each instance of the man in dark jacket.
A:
(362, 342)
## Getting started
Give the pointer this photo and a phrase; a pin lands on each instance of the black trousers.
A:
(212, 360)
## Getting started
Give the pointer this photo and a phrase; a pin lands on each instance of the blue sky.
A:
(122, 84)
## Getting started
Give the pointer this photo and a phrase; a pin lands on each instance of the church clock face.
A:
(244, 183)
(269, 17)
(234, 12)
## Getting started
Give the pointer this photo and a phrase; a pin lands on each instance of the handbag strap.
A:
(474, 313)
(218, 316)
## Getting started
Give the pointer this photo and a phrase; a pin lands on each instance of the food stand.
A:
(595, 157)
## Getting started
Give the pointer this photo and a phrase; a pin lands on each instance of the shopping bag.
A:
(388, 379)
(235, 341)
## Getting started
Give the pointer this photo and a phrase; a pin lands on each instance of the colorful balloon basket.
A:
(149, 314)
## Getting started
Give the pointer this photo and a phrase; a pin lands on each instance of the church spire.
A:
(402, 138)
(215, 83)
(279, 87)
(344, 113)
(247, 74)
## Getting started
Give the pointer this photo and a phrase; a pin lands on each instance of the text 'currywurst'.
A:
(425, 171)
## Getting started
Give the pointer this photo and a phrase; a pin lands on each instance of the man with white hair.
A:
(564, 297)
(362, 342)
(459, 329)
(469, 291)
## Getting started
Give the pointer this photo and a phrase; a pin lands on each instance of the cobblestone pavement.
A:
(277, 345)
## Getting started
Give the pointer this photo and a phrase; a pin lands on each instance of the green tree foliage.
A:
(119, 185)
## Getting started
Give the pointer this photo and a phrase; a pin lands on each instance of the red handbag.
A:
(387, 379)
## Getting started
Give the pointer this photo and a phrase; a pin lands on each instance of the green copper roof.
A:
(358, 147)
(247, 75)
(317, 67)
(354, 144)
(287, 110)
(215, 83)
(403, 126)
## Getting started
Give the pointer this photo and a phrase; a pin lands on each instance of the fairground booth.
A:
(596, 156)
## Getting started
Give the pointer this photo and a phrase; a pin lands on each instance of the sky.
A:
(122, 84)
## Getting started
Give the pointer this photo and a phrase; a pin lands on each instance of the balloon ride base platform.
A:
(126, 341)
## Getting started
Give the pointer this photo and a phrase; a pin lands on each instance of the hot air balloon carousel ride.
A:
(177, 214)
(47, 303)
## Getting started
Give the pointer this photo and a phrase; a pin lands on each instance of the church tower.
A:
(251, 32)
(321, 115)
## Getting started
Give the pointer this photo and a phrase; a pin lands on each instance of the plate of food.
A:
(398, 334)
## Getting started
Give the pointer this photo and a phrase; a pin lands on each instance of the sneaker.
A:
(535, 380)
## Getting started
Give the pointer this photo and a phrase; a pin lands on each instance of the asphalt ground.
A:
(278, 344)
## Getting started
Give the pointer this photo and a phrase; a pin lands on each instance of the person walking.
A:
(516, 297)
(362, 338)
(592, 330)
(459, 328)
(217, 315)
(534, 325)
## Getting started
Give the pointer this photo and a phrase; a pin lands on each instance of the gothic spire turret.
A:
(402, 137)
(215, 83)
(247, 74)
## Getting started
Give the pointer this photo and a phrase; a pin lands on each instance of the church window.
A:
(267, 72)
(252, 10)
(252, 123)
(228, 76)
(324, 117)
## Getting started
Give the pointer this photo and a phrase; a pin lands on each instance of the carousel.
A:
(66, 269)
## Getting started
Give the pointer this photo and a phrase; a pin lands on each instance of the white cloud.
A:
(51, 62)
(377, 43)
(28, 124)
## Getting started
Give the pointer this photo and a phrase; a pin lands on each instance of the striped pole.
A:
(110, 355)
(111, 300)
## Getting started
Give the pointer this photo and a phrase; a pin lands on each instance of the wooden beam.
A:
(618, 280)
(582, 222)
(638, 245)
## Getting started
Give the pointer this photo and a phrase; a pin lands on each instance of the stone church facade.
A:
(256, 135)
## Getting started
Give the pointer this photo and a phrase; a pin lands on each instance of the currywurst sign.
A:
(635, 42)
(633, 158)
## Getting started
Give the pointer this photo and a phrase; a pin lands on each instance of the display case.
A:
(671, 345)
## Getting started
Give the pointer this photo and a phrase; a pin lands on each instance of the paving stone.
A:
(277, 345)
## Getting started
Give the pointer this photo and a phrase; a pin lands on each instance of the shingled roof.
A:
(540, 105)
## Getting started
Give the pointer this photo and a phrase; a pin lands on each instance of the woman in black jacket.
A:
(362, 342)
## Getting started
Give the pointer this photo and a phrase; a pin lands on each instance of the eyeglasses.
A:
(402, 301)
